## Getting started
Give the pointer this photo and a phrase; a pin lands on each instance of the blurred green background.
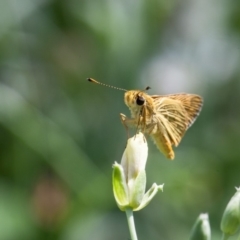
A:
(60, 134)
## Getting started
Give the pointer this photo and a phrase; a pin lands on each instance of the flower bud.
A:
(201, 229)
(231, 217)
(129, 178)
(134, 158)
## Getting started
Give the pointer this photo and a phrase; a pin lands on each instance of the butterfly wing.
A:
(175, 113)
(192, 104)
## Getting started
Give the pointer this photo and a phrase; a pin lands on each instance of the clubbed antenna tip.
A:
(106, 85)
(92, 80)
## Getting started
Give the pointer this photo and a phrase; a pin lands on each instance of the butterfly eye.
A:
(140, 100)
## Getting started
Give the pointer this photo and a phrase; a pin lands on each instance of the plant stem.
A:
(225, 236)
(131, 224)
(238, 237)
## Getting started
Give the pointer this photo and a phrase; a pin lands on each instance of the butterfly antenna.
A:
(106, 85)
(145, 89)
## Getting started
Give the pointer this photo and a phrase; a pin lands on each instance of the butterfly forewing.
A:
(177, 113)
(192, 104)
(172, 119)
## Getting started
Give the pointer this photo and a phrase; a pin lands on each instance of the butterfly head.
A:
(136, 100)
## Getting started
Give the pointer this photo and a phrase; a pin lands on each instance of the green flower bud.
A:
(120, 188)
(129, 178)
(231, 217)
(201, 229)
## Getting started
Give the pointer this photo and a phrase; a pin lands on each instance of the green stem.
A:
(225, 236)
(131, 224)
(238, 237)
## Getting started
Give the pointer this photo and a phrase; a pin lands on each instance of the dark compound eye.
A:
(140, 100)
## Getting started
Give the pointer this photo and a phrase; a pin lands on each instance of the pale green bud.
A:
(231, 217)
(129, 178)
(120, 188)
(201, 229)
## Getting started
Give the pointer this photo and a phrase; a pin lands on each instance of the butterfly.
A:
(165, 118)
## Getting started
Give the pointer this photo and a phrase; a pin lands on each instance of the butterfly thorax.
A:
(141, 106)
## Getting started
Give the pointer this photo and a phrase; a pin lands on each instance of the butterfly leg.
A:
(127, 122)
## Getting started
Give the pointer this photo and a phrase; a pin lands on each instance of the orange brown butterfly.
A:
(165, 118)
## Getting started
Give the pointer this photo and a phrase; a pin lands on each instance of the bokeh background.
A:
(59, 134)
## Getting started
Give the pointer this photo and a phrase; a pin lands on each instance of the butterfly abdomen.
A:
(164, 145)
